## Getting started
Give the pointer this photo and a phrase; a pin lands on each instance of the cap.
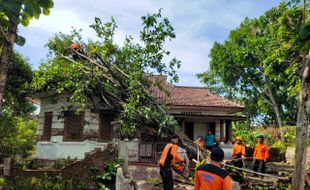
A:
(75, 46)
(239, 138)
(217, 154)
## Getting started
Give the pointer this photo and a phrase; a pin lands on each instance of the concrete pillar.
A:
(217, 130)
(183, 125)
(123, 154)
(222, 138)
(228, 130)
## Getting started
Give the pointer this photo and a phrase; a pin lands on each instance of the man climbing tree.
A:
(76, 51)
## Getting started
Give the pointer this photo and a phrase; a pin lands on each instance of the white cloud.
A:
(198, 23)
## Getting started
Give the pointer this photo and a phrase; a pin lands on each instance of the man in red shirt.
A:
(211, 176)
(261, 154)
(167, 160)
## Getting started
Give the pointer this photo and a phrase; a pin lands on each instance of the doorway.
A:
(189, 130)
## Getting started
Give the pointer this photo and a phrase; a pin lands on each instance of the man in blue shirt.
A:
(209, 140)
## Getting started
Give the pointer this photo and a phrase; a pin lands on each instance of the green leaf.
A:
(20, 40)
(305, 31)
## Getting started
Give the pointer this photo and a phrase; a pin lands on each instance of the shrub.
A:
(2, 182)
(107, 179)
(17, 136)
(34, 183)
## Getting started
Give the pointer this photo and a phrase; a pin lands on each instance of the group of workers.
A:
(211, 176)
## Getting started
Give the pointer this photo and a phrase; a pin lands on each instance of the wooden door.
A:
(47, 127)
(105, 127)
(189, 130)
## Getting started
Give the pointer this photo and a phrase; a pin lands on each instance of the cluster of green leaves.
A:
(46, 182)
(62, 163)
(248, 134)
(17, 136)
(2, 182)
(271, 135)
(18, 87)
(21, 11)
(259, 64)
(110, 76)
(107, 179)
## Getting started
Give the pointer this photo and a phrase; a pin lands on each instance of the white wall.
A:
(91, 119)
(200, 129)
(58, 149)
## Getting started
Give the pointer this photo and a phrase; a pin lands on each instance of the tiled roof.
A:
(191, 96)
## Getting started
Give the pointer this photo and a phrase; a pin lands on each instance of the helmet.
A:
(75, 46)
(239, 138)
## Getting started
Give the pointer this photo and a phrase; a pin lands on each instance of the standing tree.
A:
(13, 13)
(303, 115)
(259, 61)
(17, 129)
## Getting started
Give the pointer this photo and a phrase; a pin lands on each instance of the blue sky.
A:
(198, 24)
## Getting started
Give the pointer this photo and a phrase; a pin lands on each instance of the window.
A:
(73, 126)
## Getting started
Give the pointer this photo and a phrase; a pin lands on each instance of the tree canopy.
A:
(18, 87)
(13, 13)
(115, 75)
(259, 65)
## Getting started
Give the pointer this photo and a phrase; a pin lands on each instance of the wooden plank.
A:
(7, 167)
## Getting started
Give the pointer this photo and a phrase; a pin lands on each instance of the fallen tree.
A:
(100, 75)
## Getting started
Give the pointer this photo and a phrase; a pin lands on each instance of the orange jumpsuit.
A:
(211, 177)
(238, 149)
(173, 152)
(168, 157)
(201, 143)
(261, 151)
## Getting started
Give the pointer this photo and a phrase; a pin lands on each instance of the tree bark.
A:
(5, 54)
(277, 112)
(302, 128)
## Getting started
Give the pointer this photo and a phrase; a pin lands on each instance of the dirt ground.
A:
(148, 178)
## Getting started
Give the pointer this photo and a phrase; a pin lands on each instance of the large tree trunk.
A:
(302, 128)
(5, 54)
(190, 146)
(277, 112)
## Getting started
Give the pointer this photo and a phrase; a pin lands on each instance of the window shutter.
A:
(47, 128)
(73, 126)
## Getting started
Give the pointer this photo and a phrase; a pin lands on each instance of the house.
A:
(63, 133)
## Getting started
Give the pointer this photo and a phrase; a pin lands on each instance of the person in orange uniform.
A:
(168, 157)
(238, 152)
(200, 141)
(77, 48)
(211, 176)
(261, 154)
